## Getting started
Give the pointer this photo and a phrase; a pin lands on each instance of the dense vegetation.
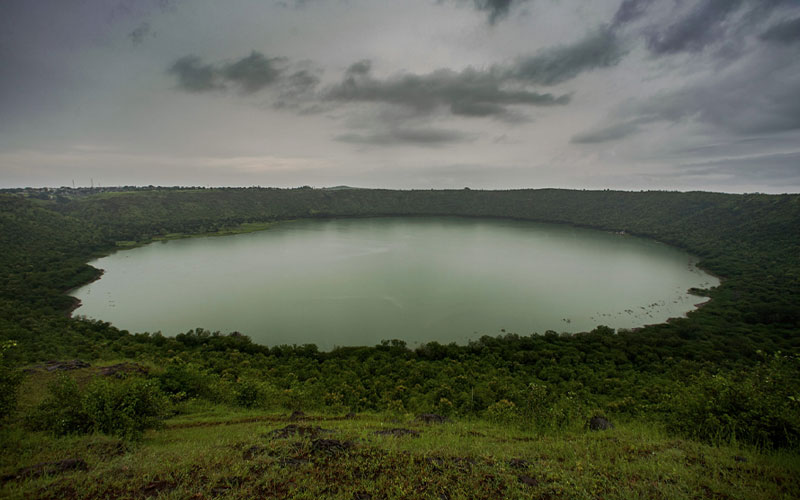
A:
(730, 371)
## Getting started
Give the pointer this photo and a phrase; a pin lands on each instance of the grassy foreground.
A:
(214, 451)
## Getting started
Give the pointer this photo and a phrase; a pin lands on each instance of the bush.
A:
(187, 380)
(121, 408)
(125, 409)
(760, 406)
(544, 409)
(249, 394)
(61, 412)
(502, 412)
(9, 381)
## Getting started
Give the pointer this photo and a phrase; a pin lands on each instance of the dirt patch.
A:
(330, 446)
(122, 369)
(293, 462)
(253, 451)
(397, 432)
(237, 421)
(47, 468)
(298, 430)
(518, 463)
(107, 450)
(154, 488)
(528, 480)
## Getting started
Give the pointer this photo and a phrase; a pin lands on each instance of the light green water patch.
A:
(360, 281)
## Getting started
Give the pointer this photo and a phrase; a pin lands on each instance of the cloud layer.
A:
(680, 94)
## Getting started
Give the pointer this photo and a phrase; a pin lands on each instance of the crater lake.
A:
(341, 282)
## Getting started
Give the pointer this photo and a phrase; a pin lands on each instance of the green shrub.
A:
(125, 409)
(9, 381)
(249, 394)
(187, 380)
(502, 412)
(544, 409)
(760, 406)
(122, 408)
(61, 412)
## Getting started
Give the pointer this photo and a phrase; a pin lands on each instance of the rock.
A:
(431, 418)
(46, 468)
(397, 432)
(294, 430)
(598, 423)
(57, 366)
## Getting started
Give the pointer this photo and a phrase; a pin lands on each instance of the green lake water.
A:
(360, 281)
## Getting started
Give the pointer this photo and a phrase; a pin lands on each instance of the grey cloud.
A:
(195, 76)
(629, 11)
(744, 103)
(249, 74)
(427, 137)
(497, 9)
(605, 134)
(302, 81)
(470, 92)
(775, 169)
(758, 97)
(704, 24)
(709, 23)
(600, 49)
(785, 32)
(138, 35)
(359, 68)
(254, 72)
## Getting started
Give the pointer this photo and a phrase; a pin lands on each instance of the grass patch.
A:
(227, 453)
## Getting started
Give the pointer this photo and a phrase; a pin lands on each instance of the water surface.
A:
(359, 281)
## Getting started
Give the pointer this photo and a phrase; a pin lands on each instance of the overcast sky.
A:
(633, 94)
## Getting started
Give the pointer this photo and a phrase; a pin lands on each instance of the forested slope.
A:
(751, 241)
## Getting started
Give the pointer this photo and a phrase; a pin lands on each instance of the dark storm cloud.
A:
(249, 74)
(600, 49)
(427, 137)
(785, 32)
(470, 92)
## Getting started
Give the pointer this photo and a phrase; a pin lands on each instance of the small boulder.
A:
(598, 423)
(297, 415)
(431, 418)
